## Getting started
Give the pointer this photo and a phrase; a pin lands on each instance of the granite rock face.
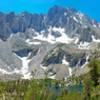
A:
(74, 23)
(39, 45)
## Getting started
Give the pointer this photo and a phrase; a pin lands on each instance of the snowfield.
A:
(24, 71)
(51, 39)
(67, 63)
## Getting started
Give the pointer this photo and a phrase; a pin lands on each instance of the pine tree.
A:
(94, 72)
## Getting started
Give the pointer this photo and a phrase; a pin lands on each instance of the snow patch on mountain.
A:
(87, 61)
(41, 37)
(52, 39)
(67, 63)
(84, 45)
(94, 25)
(64, 61)
(43, 67)
(3, 71)
(31, 42)
(26, 74)
(65, 13)
(75, 18)
(76, 40)
(57, 29)
(95, 40)
(25, 68)
(64, 39)
(52, 77)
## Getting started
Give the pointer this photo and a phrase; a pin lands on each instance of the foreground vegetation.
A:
(85, 87)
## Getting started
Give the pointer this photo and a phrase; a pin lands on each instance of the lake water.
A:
(56, 89)
(75, 88)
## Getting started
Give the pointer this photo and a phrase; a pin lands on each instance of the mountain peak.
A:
(68, 18)
(59, 9)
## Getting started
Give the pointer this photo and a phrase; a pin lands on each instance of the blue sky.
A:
(89, 7)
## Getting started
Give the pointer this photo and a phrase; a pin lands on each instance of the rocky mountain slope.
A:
(55, 45)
